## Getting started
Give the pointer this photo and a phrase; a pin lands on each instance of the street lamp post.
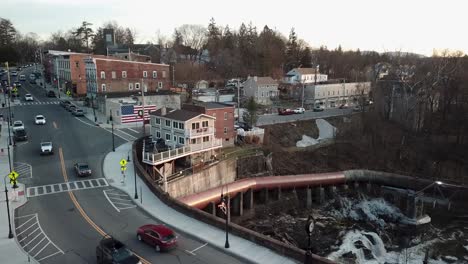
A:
(94, 109)
(134, 175)
(112, 121)
(10, 233)
(225, 207)
(309, 227)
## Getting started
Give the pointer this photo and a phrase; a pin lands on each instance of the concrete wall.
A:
(216, 175)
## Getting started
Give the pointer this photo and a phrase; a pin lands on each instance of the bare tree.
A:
(193, 37)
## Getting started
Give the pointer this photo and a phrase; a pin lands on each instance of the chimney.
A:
(163, 111)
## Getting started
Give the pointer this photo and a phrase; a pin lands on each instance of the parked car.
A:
(78, 112)
(111, 250)
(64, 103)
(20, 135)
(299, 110)
(17, 84)
(14, 73)
(28, 97)
(244, 126)
(318, 109)
(71, 108)
(82, 169)
(285, 111)
(22, 77)
(343, 106)
(18, 124)
(357, 108)
(50, 93)
(46, 148)
(40, 120)
(160, 237)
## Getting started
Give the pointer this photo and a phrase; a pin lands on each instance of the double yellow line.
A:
(80, 209)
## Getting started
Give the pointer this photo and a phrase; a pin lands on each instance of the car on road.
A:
(20, 135)
(82, 169)
(50, 94)
(160, 237)
(111, 250)
(22, 77)
(78, 112)
(299, 110)
(285, 111)
(46, 148)
(343, 106)
(318, 109)
(28, 97)
(14, 73)
(18, 124)
(71, 108)
(17, 84)
(40, 120)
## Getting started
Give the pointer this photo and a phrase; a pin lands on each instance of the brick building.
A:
(111, 75)
(224, 114)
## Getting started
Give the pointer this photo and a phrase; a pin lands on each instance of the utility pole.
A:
(238, 101)
(58, 77)
(173, 76)
(143, 106)
(10, 115)
(303, 87)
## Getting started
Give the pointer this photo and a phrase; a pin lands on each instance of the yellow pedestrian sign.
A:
(15, 90)
(123, 168)
(13, 175)
(123, 162)
(68, 93)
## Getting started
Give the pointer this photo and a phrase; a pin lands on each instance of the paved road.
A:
(57, 227)
(275, 118)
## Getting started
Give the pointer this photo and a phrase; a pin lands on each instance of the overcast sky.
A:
(407, 25)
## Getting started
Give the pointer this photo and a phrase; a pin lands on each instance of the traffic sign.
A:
(13, 175)
(123, 162)
(68, 93)
(123, 168)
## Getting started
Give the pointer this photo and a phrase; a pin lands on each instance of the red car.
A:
(158, 236)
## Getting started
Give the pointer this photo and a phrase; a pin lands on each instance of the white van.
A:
(22, 77)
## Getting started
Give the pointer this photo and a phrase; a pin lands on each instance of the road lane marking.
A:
(24, 223)
(133, 130)
(191, 252)
(55, 125)
(106, 129)
(82, 212)
(113, 205)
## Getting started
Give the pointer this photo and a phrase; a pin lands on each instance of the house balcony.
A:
(203, 131)
(152, 158)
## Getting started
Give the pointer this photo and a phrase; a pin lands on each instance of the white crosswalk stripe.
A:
(66, 186)
(119, 200)
(38, 103)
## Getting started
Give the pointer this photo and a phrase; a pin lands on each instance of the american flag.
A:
(129, 113)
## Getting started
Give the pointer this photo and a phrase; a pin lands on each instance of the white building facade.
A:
(262, 89)
(336, 94)
(305, 76)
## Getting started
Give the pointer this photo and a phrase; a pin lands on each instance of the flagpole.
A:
(143, 106)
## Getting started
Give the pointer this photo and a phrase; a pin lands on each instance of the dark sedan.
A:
(82, 169)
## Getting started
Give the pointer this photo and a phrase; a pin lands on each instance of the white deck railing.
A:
(158, 158)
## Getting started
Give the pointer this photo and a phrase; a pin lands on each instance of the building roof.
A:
(307, 70)
(212, 105)
(135, 93)
(176, 114)
(266, 80)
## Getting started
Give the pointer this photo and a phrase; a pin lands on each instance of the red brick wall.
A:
(220, 123)
(134, 75)
(77, 70)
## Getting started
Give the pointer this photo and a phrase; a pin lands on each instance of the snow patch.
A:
(326, 131)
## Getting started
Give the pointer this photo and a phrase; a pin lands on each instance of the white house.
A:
(335, 94)
(305, 75)
(262, 89)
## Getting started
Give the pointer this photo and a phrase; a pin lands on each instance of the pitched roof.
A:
(212, 105)
(176, 114)
(306, 70)
(266, 80)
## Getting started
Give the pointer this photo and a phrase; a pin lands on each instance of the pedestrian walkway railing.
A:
(152, 158)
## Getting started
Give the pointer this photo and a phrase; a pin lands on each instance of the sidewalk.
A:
(240, 247)
(10, 250)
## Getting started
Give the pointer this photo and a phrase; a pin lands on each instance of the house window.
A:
(158, 121)
(164, 74)
(262, 94)
(158, 134)
(225, 130)
(181, 140)
(225, 115)
(193, 141)
(103, 87)
(206, 139)
(155, 74)
(160, 85)
(175, 124)
(205, 124)
(168, 136)
(137, 86)
(103, 75)
(124, 74)
(181, 125)
(130, 86)
(175, 138)
(195, 125)
(114, 75)
(145, 74)
(168, 123)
